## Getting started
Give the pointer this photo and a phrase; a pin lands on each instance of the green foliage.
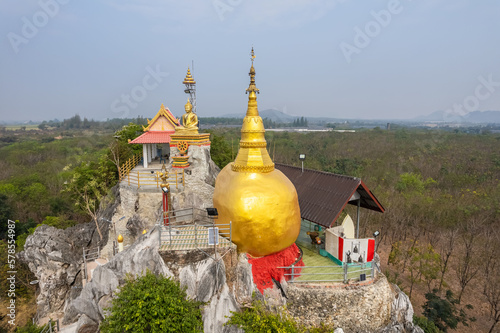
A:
(220, 150)
(421, 260)
(444, 311)
(129, 132)
(413, 182)
(21, 238)
(347, 166)
(258, 319)
(300, 122)
(90, 183)
(425, 324)
(6, 213)
(58, 222)
(152, 303)
(54, 221)
(30, 328)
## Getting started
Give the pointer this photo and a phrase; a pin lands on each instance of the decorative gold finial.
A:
(120, 238)
(252, 86)
(252, 155)
(189, 78)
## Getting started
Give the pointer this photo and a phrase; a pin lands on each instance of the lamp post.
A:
(35, 318)
(165, 188)
(302, 158)
(375, 235)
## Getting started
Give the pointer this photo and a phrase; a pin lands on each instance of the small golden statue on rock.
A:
(189, 121)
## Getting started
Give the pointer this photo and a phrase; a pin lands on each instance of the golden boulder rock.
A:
(259, 201)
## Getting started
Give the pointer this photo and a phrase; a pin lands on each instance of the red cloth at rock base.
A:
(265, 268)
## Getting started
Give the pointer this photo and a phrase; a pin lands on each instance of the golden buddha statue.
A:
(260, 201)
(189, 121)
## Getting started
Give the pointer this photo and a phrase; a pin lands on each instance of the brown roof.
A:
(323, 195)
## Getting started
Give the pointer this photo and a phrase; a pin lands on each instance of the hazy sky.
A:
(337, 58)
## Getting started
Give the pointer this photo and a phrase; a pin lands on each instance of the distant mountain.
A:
(488, 117)
(475, 117)
(271, 114)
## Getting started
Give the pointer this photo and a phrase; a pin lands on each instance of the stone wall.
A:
(353, 308)
(370, 307)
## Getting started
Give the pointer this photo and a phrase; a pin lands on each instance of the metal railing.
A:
(187, 215)
(149, 178)
(314, 274)
(91, 254)
(128, 166)
(191, 228)
(195, 235)
(51, 326)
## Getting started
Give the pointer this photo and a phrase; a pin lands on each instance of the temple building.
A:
(167, 139)
(156, 137)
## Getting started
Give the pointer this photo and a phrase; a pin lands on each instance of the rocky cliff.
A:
(222, 279)
(222, 282)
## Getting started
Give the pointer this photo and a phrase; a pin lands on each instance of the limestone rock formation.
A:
(401, 315)
(96, 295)
(135, 225)
(201, 167)
(55, 257)
(206, 282)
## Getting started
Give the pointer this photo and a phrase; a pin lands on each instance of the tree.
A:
(425, 324)
(446, 249)
(90, 185)
(444, 312)
(491, 289)
(492, 293)
(220, 150)
(152, 303)
(421, 261)
(43, 126)
(468, 267)
(5, 214)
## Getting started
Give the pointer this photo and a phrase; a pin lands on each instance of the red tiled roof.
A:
(154, 137)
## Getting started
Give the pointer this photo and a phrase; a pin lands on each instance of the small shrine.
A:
(167, 138)
(157, 136)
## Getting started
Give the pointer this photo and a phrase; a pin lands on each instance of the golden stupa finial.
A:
(189, 78)
(252, 155)
(252, 86)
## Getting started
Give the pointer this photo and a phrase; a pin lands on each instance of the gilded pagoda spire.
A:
(252, 155)
(189, 78)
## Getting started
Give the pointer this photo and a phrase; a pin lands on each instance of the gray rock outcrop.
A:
(401, 315)
(353, 308)
(96, 295)
(201, 166)
(206, 282)
(55, 257)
